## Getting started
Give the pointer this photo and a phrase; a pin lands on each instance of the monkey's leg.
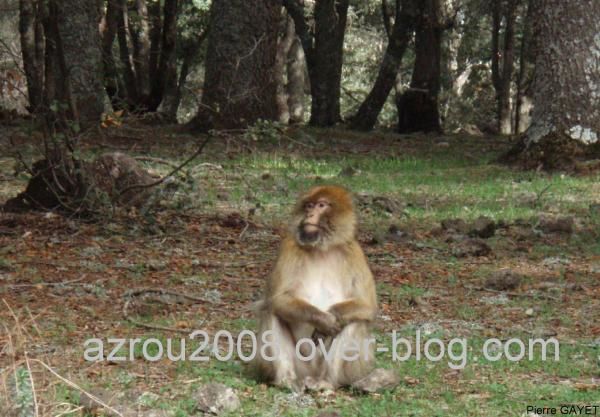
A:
(352, 357)
(281, 371)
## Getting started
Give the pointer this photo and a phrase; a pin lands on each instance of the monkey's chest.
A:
(322, 287)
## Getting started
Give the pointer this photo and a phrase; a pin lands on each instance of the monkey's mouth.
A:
(309, 232)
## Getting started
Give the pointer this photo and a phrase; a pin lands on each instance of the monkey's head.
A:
(324, 217)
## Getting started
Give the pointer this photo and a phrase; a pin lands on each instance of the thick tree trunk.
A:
(32, 60)
(166, 79)
(82, 59)
(326, 71)
(418, 106)
(239, 85)
(141, 51)
(369, 110)
(566, 89)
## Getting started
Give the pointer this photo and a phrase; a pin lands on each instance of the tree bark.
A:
(502, 77)
(418, 106)
(32, 61)
(124, 53)
(296, 70)
(523, 99)
(141, 51)
(167, 64)
(284, 46)
(369, 110)
(566, 85)
(323, 48)
(82, 59)
(326, 72)
(114, 87)
(240, 86)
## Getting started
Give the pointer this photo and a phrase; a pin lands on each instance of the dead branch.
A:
(170, 174)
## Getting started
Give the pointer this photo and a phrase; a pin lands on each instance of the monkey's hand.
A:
(337, 310)
(326, 324)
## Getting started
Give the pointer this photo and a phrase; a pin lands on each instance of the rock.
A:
(563, 224)
(526, 198)
(348, 172)
(387, 204)
(498, 299)
(216, 399)
(503, 280)
(395, 234)
(483, 227)
(471, 129)
(555, 262)
(471, 247)
(378, 380)
(529, 312)
(455, 225)
(329, 414)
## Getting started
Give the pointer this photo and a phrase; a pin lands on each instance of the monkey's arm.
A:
(353, 310)
(295, 310)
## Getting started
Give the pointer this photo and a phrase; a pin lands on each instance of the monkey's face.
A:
(323, 218)
(314, 226)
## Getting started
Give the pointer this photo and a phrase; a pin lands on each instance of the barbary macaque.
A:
(321, 289)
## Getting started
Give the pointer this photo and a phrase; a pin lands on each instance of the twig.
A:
(157, 160)
(174, 171)
(139, 291)
(513, 294)
(77, 387)
(49, 283)
(35, 401)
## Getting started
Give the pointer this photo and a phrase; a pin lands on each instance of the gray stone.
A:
(216, 399)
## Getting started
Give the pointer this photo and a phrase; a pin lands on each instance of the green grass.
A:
(432, 188)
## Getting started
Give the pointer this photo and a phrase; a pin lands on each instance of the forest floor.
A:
(201, 260)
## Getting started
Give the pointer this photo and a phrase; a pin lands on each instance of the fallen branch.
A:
(142, 291)
(512, 294)
(170, 174)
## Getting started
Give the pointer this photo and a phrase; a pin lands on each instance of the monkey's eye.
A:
(309, 206)
(322, 204)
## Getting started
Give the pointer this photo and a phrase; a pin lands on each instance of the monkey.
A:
(321, 288)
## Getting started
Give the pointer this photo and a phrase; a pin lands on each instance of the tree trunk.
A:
(239, 85)
(296, 70)
(141, 51)
(126, 61)
(82, 59)
(283, 50)
(326, 71)
(502, 78)
(155, 32)
(369, 110)
(114, 87)
(566, 89)
(32, 61)
(523, 99)
(418, 106)
(167, 64)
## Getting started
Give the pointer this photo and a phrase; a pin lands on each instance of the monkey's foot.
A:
(379, 379)
(314, 384)
(293, 384)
